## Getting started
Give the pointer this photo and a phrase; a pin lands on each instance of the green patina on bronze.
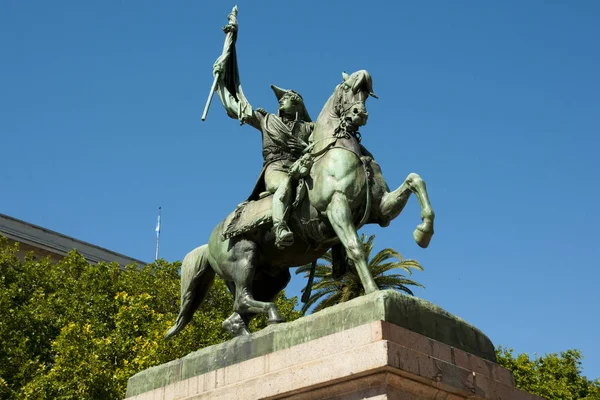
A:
(318, 185)
(408, 312)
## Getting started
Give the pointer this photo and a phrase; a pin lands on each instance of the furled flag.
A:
(158, 223)
(227, 78)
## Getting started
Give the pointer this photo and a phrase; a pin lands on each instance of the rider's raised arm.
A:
(235, 103)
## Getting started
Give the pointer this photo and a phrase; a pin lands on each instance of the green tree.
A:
(72, 330)
(553, 376)
(328, 291)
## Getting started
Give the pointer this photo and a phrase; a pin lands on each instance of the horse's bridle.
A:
(341, 131)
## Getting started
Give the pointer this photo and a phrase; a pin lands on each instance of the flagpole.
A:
(213, 88)
(157, 234)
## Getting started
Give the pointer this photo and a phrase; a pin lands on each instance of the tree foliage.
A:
(72, 330)
(553, 376)
(328, 291)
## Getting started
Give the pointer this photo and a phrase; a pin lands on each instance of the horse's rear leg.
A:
(243, 268)
(340, 217)
(265, 288)
(235, 324)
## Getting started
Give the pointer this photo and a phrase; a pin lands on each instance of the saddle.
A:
(248, 216)
(253, 214)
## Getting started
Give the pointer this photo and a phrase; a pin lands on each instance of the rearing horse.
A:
(345, 190)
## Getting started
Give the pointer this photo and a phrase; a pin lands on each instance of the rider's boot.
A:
(283, 236)
(281, 205)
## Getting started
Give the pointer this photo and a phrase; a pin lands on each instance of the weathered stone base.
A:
(374, 360)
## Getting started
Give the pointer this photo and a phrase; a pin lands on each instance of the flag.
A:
(229, 88)
(158, 224)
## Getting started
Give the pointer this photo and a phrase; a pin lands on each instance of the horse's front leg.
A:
(393, 202)
(340, 217)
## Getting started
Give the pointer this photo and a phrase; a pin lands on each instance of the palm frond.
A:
(328, 291)
(303, 268)
(368, 244)
(325, 283)
(327, 257)
(397, 282)
(405, 289)
(320, 269)
(380, 269)
(316, 296)
(412, 264)
(329, 301)
(385, 255)
(406, 265)
(350, 293)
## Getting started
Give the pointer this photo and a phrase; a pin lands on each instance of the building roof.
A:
(54, 242)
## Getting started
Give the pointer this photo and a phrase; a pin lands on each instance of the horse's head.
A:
(350, 100)
(345, 111)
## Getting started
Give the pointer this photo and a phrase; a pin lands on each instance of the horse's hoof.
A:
(422, 237)
(274, 317)
(235, 325)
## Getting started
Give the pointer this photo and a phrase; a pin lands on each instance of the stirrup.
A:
(283, 239)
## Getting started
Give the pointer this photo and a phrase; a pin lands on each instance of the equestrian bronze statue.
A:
(318, 186)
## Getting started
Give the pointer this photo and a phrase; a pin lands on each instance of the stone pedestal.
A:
(381, 346)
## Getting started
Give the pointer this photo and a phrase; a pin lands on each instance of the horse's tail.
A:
(197, 277)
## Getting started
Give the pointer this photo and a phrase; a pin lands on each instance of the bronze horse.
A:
(345, 190)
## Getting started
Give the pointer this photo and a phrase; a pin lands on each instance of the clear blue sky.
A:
(494, 104)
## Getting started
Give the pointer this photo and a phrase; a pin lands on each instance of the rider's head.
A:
(291, 104)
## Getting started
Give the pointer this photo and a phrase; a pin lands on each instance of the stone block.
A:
(356, 350)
